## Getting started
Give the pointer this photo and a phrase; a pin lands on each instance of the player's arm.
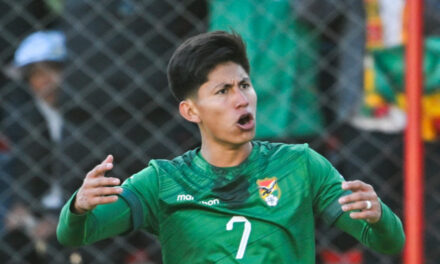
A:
(369, 220)
(344, 204)
(94, 212)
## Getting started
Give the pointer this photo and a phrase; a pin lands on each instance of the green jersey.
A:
(261, 211)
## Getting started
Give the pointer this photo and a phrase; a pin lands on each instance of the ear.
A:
(188, 110)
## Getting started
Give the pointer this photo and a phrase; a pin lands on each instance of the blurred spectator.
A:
(116, 94)
(18, 18)
(283, 52)
(35, 129)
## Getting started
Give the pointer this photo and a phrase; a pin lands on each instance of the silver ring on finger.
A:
(369, 205)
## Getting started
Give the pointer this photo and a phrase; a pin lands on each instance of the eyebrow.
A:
(243, 80)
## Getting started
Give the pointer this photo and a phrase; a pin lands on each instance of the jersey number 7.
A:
(244, 237)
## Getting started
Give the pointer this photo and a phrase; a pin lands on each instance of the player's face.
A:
(226, 105)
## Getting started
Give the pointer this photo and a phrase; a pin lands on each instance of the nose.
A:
(240, 98)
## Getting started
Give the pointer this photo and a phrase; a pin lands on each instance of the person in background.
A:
(19, 18)
(35, 129)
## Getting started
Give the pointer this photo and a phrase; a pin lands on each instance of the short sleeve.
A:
(326, 187)
(141, 192)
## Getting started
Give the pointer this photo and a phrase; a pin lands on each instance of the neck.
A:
(51, 99)
(223, 155)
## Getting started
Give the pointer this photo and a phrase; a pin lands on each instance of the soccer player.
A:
(233, 200)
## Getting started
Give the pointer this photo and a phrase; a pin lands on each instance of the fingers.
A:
(100, 169)
(102, 181)
(96, 188)
(356, 185)
(108, 159)
(105, 191)
(357, 196)
(89, 198)
(361, 205)
(367, 215)
(103, 200)
(363, 201)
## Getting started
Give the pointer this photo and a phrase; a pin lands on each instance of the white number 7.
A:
(244, 237)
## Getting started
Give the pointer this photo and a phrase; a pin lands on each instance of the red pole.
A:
(414, 190)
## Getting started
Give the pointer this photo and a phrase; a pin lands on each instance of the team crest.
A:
(269, 190)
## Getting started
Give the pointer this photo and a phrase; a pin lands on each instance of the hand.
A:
(363, 198)
(96, 188)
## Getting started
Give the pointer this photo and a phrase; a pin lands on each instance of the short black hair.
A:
(195, 58)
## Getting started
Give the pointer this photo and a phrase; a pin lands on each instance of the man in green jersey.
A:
(233, 200)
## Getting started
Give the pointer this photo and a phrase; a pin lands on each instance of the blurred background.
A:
(81, 79)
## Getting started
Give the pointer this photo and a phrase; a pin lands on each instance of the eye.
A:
(244, 85)
(223, 90)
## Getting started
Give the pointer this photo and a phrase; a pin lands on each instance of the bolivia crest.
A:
(269, 190)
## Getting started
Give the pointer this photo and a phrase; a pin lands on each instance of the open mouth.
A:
(246, 121)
